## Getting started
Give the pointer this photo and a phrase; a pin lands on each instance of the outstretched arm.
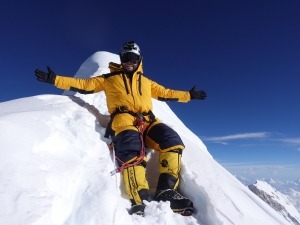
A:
(164, 94)
(84, 86)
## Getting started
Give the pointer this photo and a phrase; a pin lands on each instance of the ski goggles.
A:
(130, 56)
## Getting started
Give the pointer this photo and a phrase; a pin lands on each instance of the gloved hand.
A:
(197, 94)
(44, 76)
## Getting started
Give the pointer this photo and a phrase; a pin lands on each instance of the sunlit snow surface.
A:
(55, 167)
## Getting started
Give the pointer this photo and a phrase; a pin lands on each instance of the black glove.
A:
(197, 94)
(44, 76)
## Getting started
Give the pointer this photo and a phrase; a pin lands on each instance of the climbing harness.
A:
(140, 124)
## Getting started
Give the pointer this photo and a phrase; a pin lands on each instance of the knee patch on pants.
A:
(163, 138)
(136, 184)
(127, 145)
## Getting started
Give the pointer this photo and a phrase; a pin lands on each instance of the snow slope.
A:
(276, 200)
(55, 167)
(289, 188)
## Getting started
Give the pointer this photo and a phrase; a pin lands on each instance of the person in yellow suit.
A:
(133, 126)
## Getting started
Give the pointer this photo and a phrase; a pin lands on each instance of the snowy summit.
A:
(55, 167)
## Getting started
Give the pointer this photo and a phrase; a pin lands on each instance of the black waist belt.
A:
(123, 109)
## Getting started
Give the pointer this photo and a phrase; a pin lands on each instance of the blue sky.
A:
(245, 54)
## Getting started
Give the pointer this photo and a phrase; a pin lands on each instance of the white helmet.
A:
(130, 46)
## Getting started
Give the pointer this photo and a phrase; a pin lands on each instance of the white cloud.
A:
(291, 140)
(223, 139)
(258, 171)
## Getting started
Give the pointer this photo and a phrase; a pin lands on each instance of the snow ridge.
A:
(276, 200)
(55, 168)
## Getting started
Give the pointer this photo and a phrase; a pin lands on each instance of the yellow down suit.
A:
(127, 96)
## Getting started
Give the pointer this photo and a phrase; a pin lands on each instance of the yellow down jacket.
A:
(120, 90)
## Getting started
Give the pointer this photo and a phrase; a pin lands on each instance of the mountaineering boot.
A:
(166, 192)
(136, 187)
(168, 181)
(178, 203)
(137, 210)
